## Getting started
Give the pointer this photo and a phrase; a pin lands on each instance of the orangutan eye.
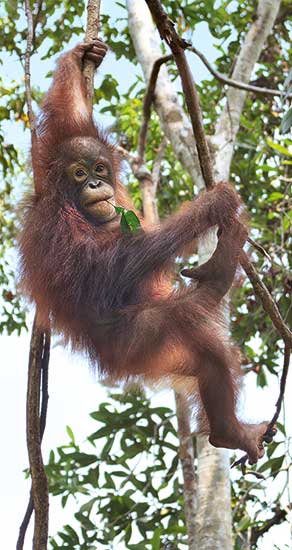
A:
(99, 168)
(80, 173)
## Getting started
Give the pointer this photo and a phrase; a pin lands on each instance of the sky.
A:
(74, 392)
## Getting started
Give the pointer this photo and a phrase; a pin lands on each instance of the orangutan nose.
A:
(95, 184)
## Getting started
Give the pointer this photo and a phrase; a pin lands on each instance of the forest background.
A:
(261, 171)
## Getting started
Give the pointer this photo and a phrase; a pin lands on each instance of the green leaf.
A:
(274, 464)
(276, 196)
(102, 416)
(83, 459)
(109, 484)
(281, 427)
(128, 533)
(261, 378)
(286, 123)
(71, 434)
(85, 521)
(155, 542)
(130, 222)
(133, 221)
(87, 507)
(280, 148)
(288, 79)
(106, 449)
(105, 431)
(244, 523)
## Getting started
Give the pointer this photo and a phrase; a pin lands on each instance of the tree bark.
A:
(213, 516)
(228, 123)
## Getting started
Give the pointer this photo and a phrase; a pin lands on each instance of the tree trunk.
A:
(213, 518)
(229, 120)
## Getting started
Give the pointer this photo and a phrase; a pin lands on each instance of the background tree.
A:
(244, 130)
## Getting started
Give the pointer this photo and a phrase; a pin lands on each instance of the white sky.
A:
(73, 391)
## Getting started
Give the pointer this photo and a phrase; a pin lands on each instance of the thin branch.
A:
(260, 248)
(25, 523)
(38, 476)
(235, 83)
(177, 46)
(126, 155)
(287, 354)
(148, 100)
(257, 532)
(45, 381)
(243, 460)
(147, 185)
(29, 40)
(36, 20)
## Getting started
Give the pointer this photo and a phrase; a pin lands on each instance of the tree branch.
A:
(92, 28)
(147, 102)
(235, 83)
(38, 476)
(29, 42)
(287, 354)
(257, 532)
(36, 20)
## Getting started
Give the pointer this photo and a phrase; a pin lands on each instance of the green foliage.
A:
(12, 315)
(116, 35)
(128, 488)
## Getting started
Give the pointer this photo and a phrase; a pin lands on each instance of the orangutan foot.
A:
(247, 437)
